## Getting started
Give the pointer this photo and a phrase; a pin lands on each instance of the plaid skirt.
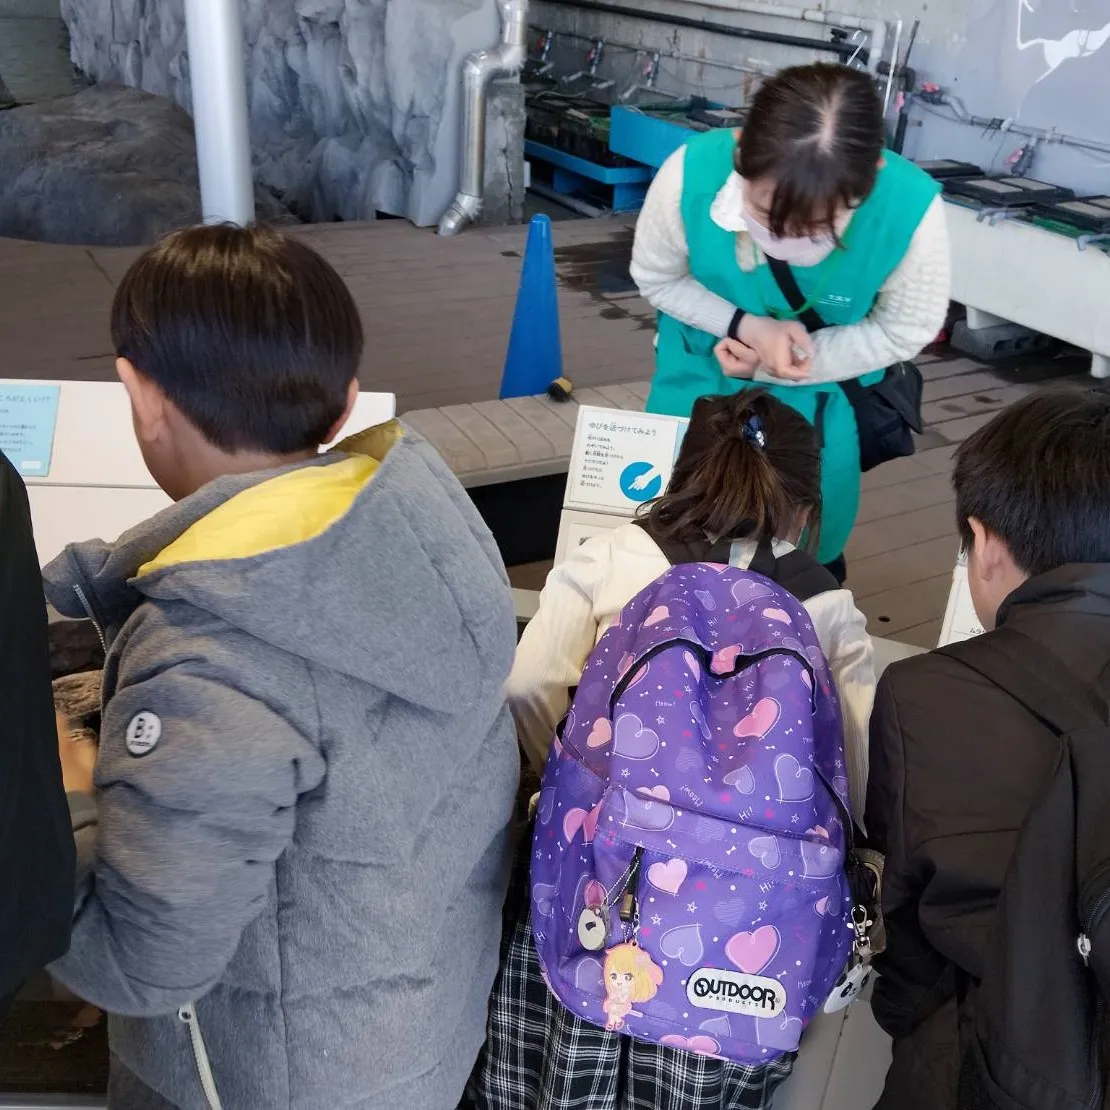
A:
(540, 1056)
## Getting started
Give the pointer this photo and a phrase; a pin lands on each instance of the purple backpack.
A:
(688, 863)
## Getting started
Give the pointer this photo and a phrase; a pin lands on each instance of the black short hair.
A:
(1038, 477)
(817, 132)
(249, 332)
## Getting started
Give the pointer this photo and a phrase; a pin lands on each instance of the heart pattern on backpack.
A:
(683, 944)
(703, 1046)
(759, 721)
(766, 850)
(633, 739)
(576, 819)
(601, 734)
(724, 659)
(743, 778)
(752, 952)
(795, 781)
(546, 806)
(668, 876)
(718, 1026)
(649, 816)
(819, 859)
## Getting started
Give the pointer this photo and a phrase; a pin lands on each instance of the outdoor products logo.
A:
(712, 988)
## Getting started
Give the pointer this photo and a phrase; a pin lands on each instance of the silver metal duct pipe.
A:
(214, 30)
(505, 60)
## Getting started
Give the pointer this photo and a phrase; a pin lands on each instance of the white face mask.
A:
(801, 252)
(794, 252)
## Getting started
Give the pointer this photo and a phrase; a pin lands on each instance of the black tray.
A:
(1008, 192)
(1091, 214)
(943, 169)
(716, 118)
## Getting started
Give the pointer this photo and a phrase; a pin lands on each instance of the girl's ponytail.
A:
(749, 466)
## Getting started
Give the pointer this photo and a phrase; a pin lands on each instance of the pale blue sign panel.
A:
(28, 414)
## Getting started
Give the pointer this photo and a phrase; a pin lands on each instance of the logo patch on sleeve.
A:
(143, 733)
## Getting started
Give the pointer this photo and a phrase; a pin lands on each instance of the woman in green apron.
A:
(809, 183)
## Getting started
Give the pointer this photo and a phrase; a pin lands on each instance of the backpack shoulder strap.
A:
(796, 572)
(803, 576)
(1035, 677)
(679, 554)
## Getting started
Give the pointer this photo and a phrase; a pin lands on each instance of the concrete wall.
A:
(355, 104)
(1044, 63)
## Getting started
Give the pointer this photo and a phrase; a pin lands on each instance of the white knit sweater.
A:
(907, 316)
(583, 597)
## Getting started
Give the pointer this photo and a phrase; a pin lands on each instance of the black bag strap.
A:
(807, 316)
(811, 320)
(1035, 677)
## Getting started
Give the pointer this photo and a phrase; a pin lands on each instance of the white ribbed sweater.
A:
(907, 316)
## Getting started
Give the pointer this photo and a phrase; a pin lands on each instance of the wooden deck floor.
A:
(437, 312)
(437, 315)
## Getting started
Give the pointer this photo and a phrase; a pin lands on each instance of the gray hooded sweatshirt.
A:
(304, 788)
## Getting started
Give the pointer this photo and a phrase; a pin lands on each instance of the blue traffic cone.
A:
(535, 356)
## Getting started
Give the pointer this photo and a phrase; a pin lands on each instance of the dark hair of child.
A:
(749, 468)
(1038, 477)
(250, 333)
(817, 132)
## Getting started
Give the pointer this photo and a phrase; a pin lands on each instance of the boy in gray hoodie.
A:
(293, 850)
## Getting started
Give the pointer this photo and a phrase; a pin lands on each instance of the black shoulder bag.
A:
(888, 412)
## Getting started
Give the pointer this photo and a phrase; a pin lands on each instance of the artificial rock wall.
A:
(354, 104)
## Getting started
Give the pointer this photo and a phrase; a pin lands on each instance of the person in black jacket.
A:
(956, 764)
(37, 856)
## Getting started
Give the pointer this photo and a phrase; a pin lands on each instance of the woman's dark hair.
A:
(1038, 477)
(726, 485)
(249, 332)
(817, 132)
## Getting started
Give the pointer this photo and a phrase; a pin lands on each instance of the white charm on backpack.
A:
(592, 929)
(848, 987)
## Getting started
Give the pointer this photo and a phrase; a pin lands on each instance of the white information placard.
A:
(960, 621)
(619, 462)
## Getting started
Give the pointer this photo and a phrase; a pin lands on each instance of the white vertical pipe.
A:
(215, 36)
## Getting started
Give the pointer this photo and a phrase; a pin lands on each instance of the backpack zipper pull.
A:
(1083, 944)
(630, 910)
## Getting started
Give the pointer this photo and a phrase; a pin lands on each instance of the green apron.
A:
(842, 289)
